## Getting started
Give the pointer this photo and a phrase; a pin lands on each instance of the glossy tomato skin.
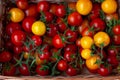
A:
(31, 10)
(48, 16)
(37, 40)
(42, 6)
(40, 71)
(69, 56)
(70, 47)
(17, 49)
(112, 52)
(116, 39)
(45, 55)
(116, 30)
(104, 71)
(57, 41)
(11, 27)
(22, 4)
(62, 65)
(18, 37)
(86, 32)
(60, 11)
(5, 56)
(24, 70)
(98, 24)
(11, 71)
(71, 71)
(27, 23)
(74, 19)
(72, 34)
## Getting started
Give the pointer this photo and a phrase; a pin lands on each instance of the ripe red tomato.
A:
(18, 37)
(70, 47)
(17, 50)
(22, 4)
(62, 65)
(48, 16)
(74, 19)
(31, 10)
(9, 70)
(53, 7)
(11, 27)
(71, 71)
(27, 23)
(72, 35)
(60, 11)
(87, 32)
(112, 51)
(41, 70)
(37, 40)
(43, 6)
(58, 42)
(116, 30)
(98, 24)
(116, 39)
(24, 70)
(45, 55)
(104, 71)
(69, 56)
(5, 56)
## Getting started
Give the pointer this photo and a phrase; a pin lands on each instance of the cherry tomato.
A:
(27, 23)
(112, 51)
(72, 6)
(71, 71)
(38, 28)
(18, 37)
(62, 65)
(116, 30)
(22, 4)
(98, 24)
(48, 16)
(57, 41)
(84, 7)
(101, 38)
(116, 39)
(70, 47)
(42, 70)
(109, 6)
(87, 32)
(17, 49)
(60, 11)
(69, 56)
(38, 60)
(9, 70)
(37, 40)
(86, 42)
(11, 27)
(104, 71)
(74, 19)
(16, 15)
(5, 56)
(42, 6)
(24, 70)
(86, 53)
(53, 8)
(45, 55)
(78, 42)
(31, 10)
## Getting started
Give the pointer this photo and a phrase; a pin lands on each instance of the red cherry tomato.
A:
(116, 39)
(5, 56)
(60, 11)
(116, 30)
(37, 40)
(71, 71)
(22, 4)
(62, 65)
(69, 56)
(42, 6)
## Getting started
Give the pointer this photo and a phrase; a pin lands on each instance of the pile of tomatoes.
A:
(47, 38)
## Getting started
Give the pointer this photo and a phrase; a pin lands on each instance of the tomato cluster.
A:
(47, 38)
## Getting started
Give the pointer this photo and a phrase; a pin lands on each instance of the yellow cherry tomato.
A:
(91, 62)
(86, 42)
(26, 54)
(84, 7)
(16, 15)
(101, 38)
(86, 53)
(38, 28)
(109, 6)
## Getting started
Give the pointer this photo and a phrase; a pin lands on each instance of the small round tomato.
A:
(86, 53)
(60, 10)
(87, 32)
(71, 71)
(78, 42)
(18, 37)
(11, 27)
(42, 6)
(31, 10)
(27, 23)
(45, 55)
(42, 70)
(70, 47)
(98, 24)
(112, 51)
(116, 30)
(62, 65)
(48, 16)
(69, 56)
(24, 70)
(16, 15)
(72, 6)
(57, 41)
(116, 39)
(38, 28)
(86, 42)
(17, 49)
(26, 54)
(38, 60)
(74, 19)
(84, 7)
(5, 56)
(53, 7)
(109, 6)
(101, 38)
(22, 4)
(91, 62)
(37, 40)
